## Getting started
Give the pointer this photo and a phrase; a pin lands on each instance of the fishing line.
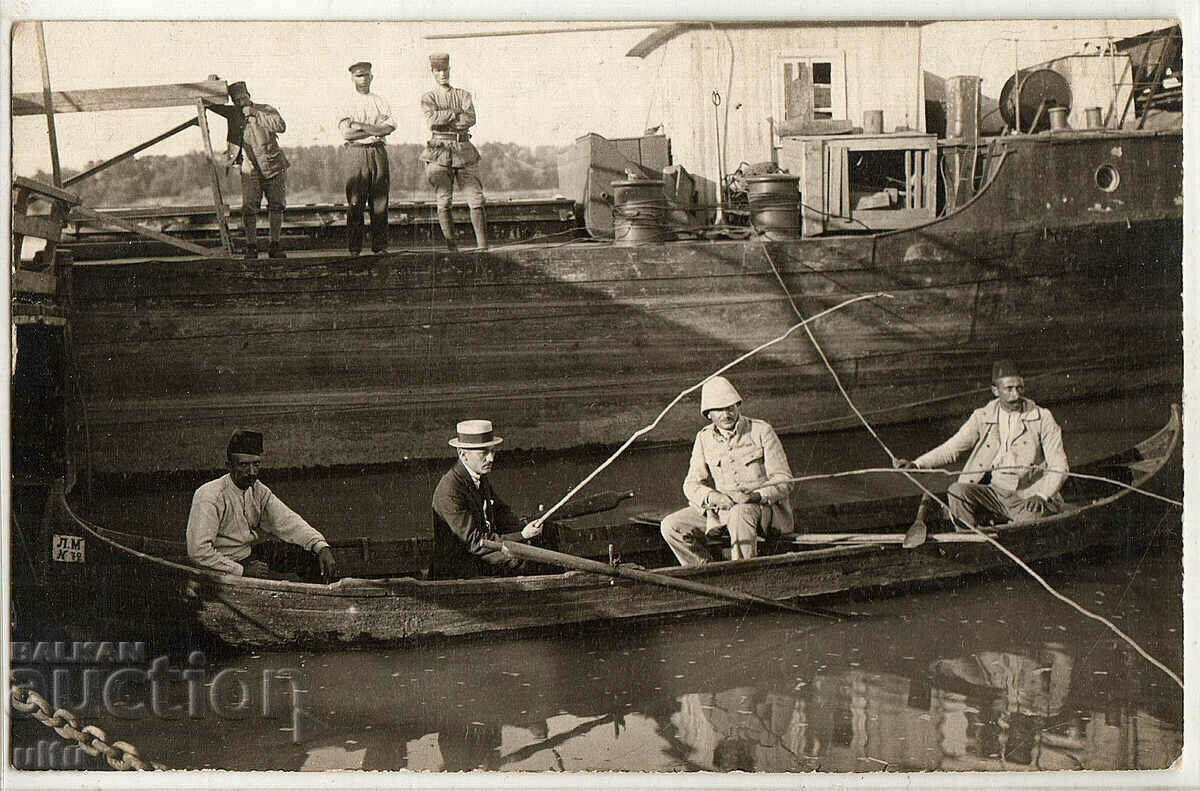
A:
(654, 423)
(1004, 550)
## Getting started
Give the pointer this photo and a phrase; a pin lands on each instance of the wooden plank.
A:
(55, 168)
(39, 225)
(128, 98)
(878, 538)
(25, 281)
(92, 214)
(47, 190)
(127, 154)
(218, 200)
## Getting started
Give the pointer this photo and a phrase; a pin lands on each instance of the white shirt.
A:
(367, 108)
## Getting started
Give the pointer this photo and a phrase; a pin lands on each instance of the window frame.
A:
(837, 78)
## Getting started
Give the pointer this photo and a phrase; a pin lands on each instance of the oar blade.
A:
(915, 536)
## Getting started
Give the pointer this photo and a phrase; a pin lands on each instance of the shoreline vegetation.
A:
(508, 170)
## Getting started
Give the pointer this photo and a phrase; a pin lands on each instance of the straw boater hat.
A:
(475, 434)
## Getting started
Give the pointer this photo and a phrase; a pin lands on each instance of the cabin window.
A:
(810, 86)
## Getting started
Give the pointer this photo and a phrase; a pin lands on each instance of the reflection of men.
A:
(364, 122)
(730, 459)
(253, 143)
(1007, 437)
(467, 512)
(450, 158)
(229, 514)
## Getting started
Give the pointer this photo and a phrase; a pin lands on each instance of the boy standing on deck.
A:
(364, 123)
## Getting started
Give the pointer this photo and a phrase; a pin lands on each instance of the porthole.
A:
(1107, 178)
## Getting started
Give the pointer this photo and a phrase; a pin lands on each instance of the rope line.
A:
(1004, 550)
(654, 423)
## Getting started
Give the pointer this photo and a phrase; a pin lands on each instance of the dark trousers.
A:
(368, 179)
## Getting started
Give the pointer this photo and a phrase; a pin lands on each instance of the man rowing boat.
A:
(1017, 464)
(231, 513)
(732, 459)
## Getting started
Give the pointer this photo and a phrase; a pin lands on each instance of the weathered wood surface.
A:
(125, 98)
(572, 345)
(362, 612)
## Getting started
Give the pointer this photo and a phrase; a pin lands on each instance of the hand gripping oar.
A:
(916, 534)
(549, 557)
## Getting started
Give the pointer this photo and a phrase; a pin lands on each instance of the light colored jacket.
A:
(1038, 441)
(751, 458)
(225, 521)
(260, 132)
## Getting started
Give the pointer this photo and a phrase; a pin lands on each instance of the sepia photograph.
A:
(738, 402)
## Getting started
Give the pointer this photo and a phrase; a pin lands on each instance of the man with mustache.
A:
(230, 514)
(732, 459)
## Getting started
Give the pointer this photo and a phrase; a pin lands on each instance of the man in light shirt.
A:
(230, 514)
(728, 484)
(364, 123)
(1008, 439)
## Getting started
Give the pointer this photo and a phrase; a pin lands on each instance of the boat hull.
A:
(139, 594)
(371, 359)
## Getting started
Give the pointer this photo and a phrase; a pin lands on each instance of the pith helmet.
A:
(717, 393)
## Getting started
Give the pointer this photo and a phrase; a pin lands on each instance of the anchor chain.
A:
(91, 739)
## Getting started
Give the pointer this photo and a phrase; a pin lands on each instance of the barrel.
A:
(1092, 114)
(774, 205)
(1058, 118)
(962, 107)
(639, 212)
(1041, 89)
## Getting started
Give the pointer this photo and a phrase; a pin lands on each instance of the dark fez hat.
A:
(475, 434)
(439, 60)
(362, 65)
(247, 442)
(1003, 368)
(238, 89)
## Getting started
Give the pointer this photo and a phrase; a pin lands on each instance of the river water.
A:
(992, 675)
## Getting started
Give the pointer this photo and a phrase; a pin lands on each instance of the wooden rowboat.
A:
(134, 585)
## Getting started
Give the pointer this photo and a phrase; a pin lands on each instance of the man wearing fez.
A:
(253, 144)
(365, 121)
(231, 514)
(1007, 437)
(450, 158)
(734, 459)
(467, 512)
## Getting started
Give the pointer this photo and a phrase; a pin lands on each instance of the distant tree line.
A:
(315, 175)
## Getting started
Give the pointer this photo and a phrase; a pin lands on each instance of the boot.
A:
(447, 222)
(479, 223)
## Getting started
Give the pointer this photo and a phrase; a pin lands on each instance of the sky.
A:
(533, 90)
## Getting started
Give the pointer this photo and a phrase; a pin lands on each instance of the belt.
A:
(376, 144)
(460, 137)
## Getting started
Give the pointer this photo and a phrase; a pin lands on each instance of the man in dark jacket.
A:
(467, 512)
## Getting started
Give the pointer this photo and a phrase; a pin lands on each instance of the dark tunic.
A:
(463, 517)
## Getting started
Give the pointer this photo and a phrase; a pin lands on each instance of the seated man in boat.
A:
(467, 512)
(1008, 439)
(231, 514)
(733, 460)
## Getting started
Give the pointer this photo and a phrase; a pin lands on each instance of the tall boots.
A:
(447, 223)
(479, 223)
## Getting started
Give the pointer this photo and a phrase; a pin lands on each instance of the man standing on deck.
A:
(364, 122)
(731, 458)
(450, 158)
(467, 512)
(230, 514)
(1007, 438)
(253, 143)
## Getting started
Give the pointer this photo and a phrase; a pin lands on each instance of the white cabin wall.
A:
(882, 73)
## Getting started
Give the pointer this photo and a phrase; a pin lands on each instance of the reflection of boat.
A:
(148, 577)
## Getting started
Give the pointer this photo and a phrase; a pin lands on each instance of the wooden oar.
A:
(916, 534)
(600, 501)
(562, 559)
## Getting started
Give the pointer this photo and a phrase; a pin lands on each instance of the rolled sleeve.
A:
(204, 521)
